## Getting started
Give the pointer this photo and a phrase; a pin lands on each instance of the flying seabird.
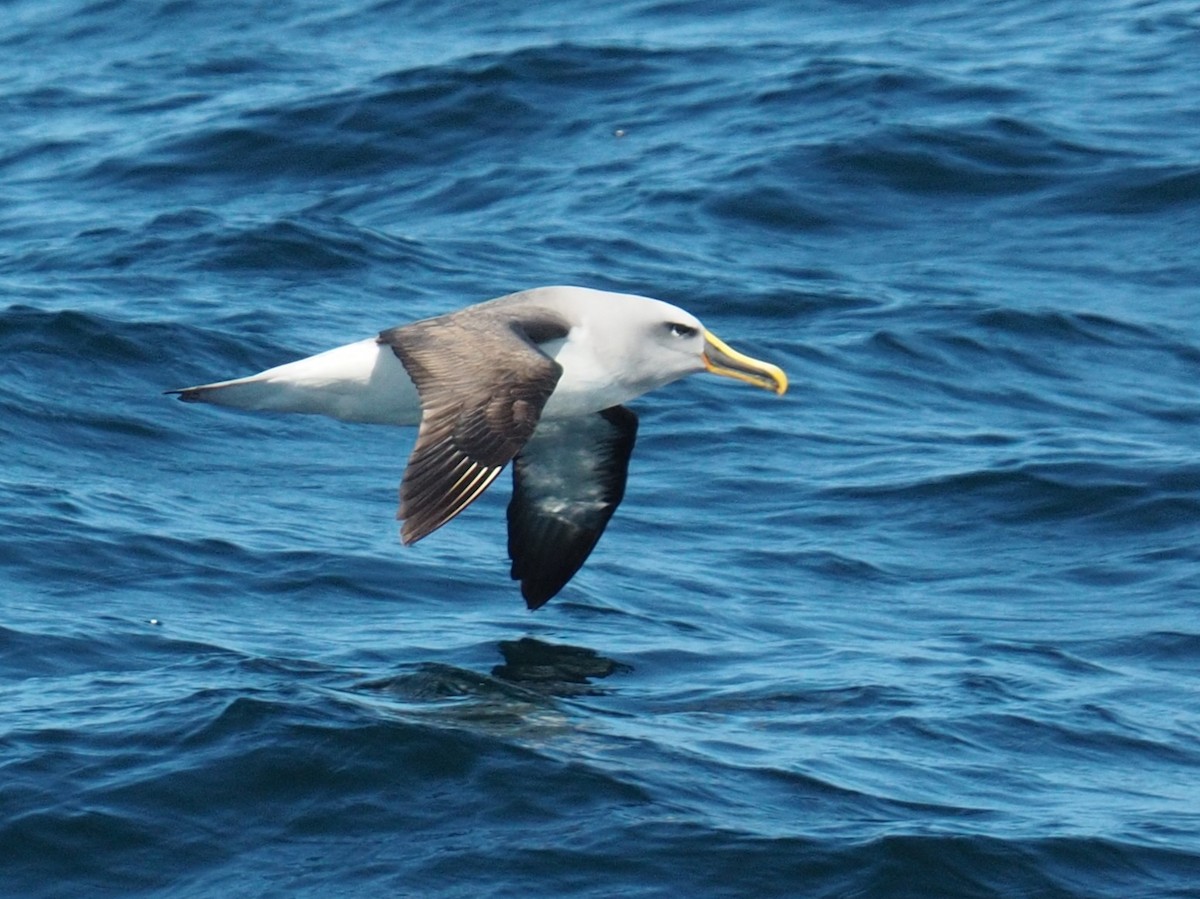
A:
(537, 378)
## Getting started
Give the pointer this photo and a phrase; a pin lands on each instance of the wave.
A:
(1106, 495)
(1138, 189)
(995, 157)
(395, 126)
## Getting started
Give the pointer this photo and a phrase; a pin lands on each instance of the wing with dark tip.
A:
(483, 383)
(567, 482)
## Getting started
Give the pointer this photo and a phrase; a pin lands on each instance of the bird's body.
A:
(359, 382)
(538, 376)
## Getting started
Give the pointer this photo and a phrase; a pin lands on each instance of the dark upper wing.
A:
(567, 483)
(483, 383)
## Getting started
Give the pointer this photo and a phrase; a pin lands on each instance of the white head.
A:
(624, 345)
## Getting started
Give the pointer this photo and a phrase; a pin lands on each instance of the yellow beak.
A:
(721, 359)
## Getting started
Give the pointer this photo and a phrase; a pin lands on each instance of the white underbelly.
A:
(360, 382)
(585, 386)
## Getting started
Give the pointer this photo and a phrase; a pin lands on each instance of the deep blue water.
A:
(925, 627)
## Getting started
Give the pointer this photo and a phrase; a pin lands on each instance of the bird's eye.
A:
(680, 330)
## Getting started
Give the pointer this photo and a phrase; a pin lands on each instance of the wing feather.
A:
(567, 483)
(482, 383)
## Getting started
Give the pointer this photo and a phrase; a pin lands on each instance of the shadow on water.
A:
(554, 668)
(517, 694)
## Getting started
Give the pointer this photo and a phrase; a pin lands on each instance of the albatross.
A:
(538, 378)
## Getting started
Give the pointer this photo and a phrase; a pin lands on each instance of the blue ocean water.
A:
(924, 627)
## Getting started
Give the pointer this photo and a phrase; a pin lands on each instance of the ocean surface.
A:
(926, 626)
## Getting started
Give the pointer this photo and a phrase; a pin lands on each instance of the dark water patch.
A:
(1171, 510)
(63, 346)
(792, 304)
(1041, 654)
(1069, 327)
(1136, 191)
(567, 65)
(81, 337)
(995, 157)
(1085, 738)
(90, 381)
(33, 157)
(981, 866)
(847, 80)
(291, 246)
(908, 347)
(1112, 497)
(820, 702)
(1170, 650)
(773, 207)
(132, 555)
(220, 66)
(294, 774)
(190, 253)
(405, 123)
(251, 153)
(25, 654)
(896, 865)
(833, 565)
(1073, 366)
(167, 240)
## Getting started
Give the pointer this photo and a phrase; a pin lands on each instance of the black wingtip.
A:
(537, 595)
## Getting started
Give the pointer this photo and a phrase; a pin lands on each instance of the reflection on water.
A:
(516, 698)
(555, 668)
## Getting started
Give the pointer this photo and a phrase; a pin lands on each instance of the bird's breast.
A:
(588, 383)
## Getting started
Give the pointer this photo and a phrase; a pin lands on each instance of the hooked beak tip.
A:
(721, 359)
